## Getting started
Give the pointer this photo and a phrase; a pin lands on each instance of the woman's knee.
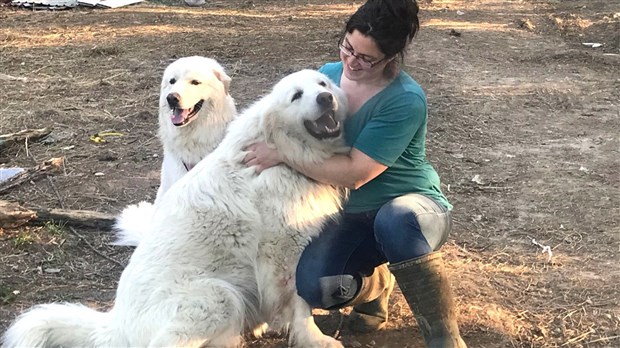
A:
(410, 226)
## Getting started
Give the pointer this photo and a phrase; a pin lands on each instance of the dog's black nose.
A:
(325, 99)
(173, 99)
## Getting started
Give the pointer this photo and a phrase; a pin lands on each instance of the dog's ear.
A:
(271, 121)
(277, 135)
(225, 79)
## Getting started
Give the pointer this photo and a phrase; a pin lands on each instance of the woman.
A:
(396, 212)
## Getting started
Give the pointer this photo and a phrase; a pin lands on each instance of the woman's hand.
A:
(261, 156)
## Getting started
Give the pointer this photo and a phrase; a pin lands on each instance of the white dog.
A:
(237, 237)
(195, 108)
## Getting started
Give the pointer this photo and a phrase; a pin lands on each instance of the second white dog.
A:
(195, 107)
(237, 239)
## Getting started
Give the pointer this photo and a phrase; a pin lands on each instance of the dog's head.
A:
(188, 86)
(306, 108)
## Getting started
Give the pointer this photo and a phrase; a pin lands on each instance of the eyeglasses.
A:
(364, 62)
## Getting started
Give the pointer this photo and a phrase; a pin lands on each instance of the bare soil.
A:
(524, 124)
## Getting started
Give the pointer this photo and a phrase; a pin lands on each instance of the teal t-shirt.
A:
(391, 129)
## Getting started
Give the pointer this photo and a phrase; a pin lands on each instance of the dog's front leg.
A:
(304, 332)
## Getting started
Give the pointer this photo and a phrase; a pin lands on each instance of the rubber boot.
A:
(424, 283)
(370, 311)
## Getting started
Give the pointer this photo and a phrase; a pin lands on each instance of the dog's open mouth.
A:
(324, 127)
(181, 117)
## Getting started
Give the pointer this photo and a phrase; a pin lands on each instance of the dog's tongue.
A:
(179, 115)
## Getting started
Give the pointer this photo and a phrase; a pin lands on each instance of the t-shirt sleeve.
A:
(332, 71)
(392, 127)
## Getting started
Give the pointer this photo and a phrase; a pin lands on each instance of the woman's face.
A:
(361, 57)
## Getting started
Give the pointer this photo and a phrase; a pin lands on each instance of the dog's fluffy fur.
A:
(195, 108)
(222, 247)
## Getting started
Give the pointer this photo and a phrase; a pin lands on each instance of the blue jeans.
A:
(331, 267)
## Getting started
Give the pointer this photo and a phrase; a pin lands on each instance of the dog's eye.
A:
(297, 95)
(322, 83)
(172, 81)
(195, 82)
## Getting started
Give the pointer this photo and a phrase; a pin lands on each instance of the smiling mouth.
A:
(324, 127)
(181, 117)
(354, 69)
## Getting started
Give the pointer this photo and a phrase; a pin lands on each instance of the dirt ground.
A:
(523, 129)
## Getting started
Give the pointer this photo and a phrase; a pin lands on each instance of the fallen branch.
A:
(13, 215)
(31, 134)
(6, 77)
(31, 174)
(108, 221)
(609, 338)
(78, 218)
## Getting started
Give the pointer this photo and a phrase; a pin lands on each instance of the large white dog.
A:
(195, 108)
(222, 247)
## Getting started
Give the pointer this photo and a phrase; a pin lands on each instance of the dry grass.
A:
(531, 113)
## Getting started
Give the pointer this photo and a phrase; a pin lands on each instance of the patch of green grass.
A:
(56, 229)
(24, 238)
(6, 295)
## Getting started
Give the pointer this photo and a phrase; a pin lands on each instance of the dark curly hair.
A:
(391, 23)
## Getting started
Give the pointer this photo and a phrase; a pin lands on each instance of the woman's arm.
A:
(351, 171)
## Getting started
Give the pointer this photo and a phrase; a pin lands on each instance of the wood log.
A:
(77, 218)
(30, 174)
(31, 134)
(14, 215)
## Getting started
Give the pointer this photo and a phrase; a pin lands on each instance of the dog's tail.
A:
(60, 325)
(131, 224)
